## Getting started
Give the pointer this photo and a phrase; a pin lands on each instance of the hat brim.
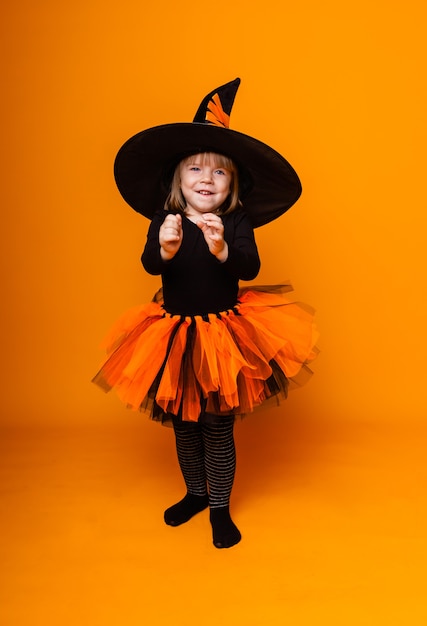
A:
(144, 165)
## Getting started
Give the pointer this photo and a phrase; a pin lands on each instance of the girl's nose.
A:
(206, 175)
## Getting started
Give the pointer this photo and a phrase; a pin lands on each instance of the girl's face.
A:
(204, 184)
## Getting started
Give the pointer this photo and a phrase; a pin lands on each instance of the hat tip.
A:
(215, 108)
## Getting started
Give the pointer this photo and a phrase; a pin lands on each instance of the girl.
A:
(204, 351)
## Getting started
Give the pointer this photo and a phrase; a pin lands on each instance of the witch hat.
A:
(144, 165)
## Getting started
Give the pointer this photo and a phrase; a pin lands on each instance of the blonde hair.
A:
(176, 201)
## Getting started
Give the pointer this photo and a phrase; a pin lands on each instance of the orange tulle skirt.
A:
(217, 364)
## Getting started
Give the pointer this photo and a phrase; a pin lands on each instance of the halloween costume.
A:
(203, 348)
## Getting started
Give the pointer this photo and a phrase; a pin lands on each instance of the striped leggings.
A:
(207, 458)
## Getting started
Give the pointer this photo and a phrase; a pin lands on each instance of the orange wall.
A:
(338, 88)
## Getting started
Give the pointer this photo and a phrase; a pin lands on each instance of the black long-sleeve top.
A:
(194, 281)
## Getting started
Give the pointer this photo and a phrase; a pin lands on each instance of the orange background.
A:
(340, 90)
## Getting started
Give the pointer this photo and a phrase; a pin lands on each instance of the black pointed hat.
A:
(144, 165)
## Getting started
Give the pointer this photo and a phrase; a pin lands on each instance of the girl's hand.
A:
(170, 236)
(213, 229)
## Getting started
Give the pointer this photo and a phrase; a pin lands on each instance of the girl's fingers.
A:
(211, 222)
(171, 228)
(210, 218)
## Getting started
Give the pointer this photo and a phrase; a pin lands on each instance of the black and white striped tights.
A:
(207, 458)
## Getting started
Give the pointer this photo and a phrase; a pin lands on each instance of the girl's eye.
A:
(220, 172)
(194, 168)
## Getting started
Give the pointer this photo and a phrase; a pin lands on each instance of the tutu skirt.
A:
(223, 363)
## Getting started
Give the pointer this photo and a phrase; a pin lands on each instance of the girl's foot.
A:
(225, 531)
(185, 509)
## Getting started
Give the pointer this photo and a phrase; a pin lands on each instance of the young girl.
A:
(204, 351)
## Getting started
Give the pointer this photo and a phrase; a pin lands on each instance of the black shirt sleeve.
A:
(151, 257)
(243, 259)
